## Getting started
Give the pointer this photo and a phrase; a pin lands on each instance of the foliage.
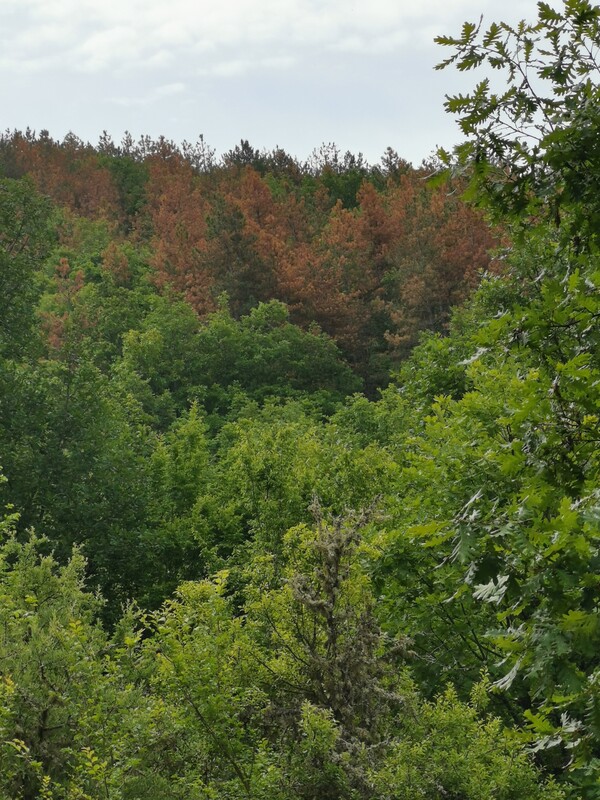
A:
(532, 144)
(290, 647)
(371, 254)
(25, 237)
(499, 484)
(175, 358)
(208, 703)
(430, 762)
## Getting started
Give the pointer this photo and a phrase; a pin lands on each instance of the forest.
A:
(300, 461)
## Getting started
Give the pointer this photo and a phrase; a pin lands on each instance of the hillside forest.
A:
(300, 460)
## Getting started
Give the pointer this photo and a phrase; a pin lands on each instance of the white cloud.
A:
(384, 43)
(149, 98)
(170, 89)
(238, 66)
(112, 35)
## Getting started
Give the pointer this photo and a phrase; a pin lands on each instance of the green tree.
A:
(298, 696)
(50, 656)
(304, 696)
(532, 151)
(176, 359)
(76, 459)
(532, 143)
(25, 238)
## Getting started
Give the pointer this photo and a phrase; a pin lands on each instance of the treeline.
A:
(225, 572)
(370, 254)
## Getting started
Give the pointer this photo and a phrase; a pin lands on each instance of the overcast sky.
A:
(293, 73)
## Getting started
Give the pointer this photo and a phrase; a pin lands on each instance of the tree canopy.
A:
(225, 572)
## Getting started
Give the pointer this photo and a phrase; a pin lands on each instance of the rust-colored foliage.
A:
(69, 172)
(57, 323)
(261, 226)
(444, 248)
(176, 212)
(313, 290)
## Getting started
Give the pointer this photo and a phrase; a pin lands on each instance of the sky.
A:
(287, 73)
